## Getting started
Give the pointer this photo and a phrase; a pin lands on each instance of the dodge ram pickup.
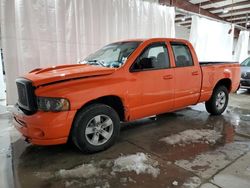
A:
(123, 81)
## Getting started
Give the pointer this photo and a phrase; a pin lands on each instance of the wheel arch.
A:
(111, 100)
(227, 82)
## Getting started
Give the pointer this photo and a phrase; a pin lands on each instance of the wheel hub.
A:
(220, 100)
(99, 130)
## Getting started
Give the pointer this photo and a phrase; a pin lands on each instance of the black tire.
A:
(84, 119)
(211, 106)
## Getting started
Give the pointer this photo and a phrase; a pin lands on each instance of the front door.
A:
(153, 73)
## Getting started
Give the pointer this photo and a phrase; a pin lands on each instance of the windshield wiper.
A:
(97, 62)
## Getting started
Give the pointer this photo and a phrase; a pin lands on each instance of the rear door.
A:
(187, 76)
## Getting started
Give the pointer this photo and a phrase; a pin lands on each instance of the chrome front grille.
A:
(245, 75)
(26, 95)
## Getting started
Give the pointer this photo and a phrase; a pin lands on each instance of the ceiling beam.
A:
(186, 5)
(186, 24)
(195, 8)
(210, 2)
(234, 11)
(187, 19)
(241, 22)
(232, 5)
(236, 16)
(244, 25)
(179, 16)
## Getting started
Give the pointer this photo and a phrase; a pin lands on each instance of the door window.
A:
(153, 57)
(183, 57)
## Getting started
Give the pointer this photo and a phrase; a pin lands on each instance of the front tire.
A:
(218, 101)
(95, 128)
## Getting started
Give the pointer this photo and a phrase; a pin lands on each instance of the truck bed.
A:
(213, 71)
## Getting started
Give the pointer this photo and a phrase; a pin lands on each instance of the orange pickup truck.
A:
(121, 82)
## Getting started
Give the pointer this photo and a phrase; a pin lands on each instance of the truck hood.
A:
(66, 72)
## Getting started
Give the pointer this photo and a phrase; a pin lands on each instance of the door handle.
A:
(168, 77)
(194, 73)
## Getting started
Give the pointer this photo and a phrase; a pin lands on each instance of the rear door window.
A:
(183, 57)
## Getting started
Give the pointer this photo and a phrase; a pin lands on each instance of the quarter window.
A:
(183, 57)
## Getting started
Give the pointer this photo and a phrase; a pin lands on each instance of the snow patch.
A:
(192, 182)
(193, 136)
(83, 171)
(97, 173)
(125, 180)
(139, 163)
(175, 183)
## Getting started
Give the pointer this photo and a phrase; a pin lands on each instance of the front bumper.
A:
(44, 128)
(245, 83)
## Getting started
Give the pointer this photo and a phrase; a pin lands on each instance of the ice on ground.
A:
(192, 182)
(193, 136)
(175, 183)
(125, 180)
(207, 164)
(83, 171)
(106, 185)
(71, 183)
(139, 163)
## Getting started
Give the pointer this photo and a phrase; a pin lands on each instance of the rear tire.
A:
(218, 101)
(95, 128)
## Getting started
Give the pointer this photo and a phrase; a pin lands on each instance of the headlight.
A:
(52, 104)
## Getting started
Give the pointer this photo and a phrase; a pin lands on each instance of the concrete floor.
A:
(225, 163)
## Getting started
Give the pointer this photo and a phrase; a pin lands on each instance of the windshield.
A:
(246, 63)
(112, 55)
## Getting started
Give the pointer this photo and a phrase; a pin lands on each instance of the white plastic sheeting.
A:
(2, 84)
(44, 33)
(241, 50)
(211, 39)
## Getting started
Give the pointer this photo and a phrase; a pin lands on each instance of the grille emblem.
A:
(245, 74)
